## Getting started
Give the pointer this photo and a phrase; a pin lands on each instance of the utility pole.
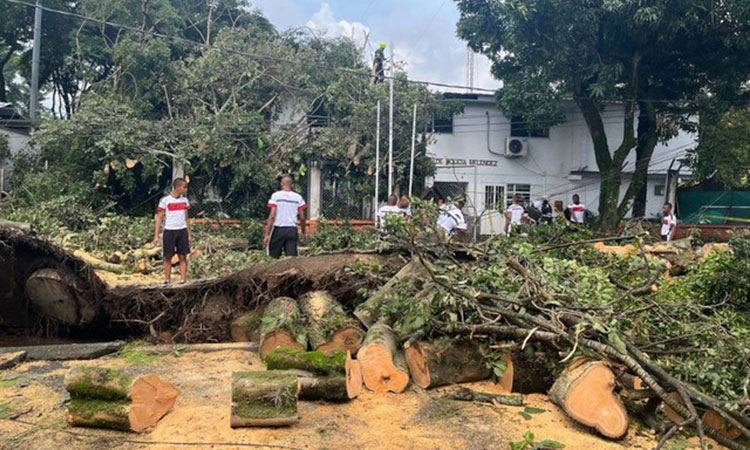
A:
(35, 63)
(469, 69)
(413, 143)
(390, 128)
(377, 163)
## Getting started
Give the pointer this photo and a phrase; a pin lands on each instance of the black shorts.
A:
(283, 238)
(664, 237)
(175, 241)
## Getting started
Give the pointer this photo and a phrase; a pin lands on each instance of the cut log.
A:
(506, 381)
(66, 352)
(23, 226)
(119, 399)
(468, 395)
(353, 376)
(446, 361)
(529, 372)
(53, 294)
(329, 388)
(368, 312)
(329, 327)
(10, 359)
(718, 423)
(246, 328)
(382, 361)
(282, 326)
(264, 398)
(97, 263)
(319, 363)
(586, 394)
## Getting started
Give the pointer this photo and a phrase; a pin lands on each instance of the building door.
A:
(492, 220)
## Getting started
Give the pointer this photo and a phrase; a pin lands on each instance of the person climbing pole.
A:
(378, 65)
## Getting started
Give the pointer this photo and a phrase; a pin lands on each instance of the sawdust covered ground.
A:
(416, 419)
(126, 279)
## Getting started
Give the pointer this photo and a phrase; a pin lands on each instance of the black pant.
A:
(175, 240)
(665, 237)
(283, 238)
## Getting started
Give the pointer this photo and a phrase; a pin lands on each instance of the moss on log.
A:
(264, 398)
(329, 327)
(382, 362)
(330, 362)
(468, 395)
(246, 328)
(329, 388)
(282, 326)
(95, 413)
(586, 393)
(446, 361)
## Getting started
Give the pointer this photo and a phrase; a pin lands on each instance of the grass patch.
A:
(5, 411)
(132, 354)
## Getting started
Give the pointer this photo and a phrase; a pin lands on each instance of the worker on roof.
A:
(378, 65)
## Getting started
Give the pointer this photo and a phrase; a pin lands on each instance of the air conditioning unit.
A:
(516, 147)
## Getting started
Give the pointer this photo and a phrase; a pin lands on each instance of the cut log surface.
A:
(113, 398)
(282, 326)
(329, 327)
(382, 361)
(586, 394)
(715, 421)
(353, 376)
(66, 352)
(264, 398)
(506, 381)
(320, 363)
(368, 312)
(329, 388)
(445, 361)
(54, 295)
(246, 328)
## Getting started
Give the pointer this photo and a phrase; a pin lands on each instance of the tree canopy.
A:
(658, 59)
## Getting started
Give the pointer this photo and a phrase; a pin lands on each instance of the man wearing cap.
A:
(378, 63)
(281, 227)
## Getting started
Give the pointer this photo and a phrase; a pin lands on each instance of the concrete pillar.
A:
(313, 190)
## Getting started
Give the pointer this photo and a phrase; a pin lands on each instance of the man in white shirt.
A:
(451, 221)
(513, 215)
(281, 227)
(668, 223)
(391, 209)
(173, 211)
(403, 204)
(577, 211)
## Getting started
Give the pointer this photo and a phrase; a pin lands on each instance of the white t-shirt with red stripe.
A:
(288, 204)
(174, 211)
(515, 213)
(667, 223)
(578, 211)
(451, 218)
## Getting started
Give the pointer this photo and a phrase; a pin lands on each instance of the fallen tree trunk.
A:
(585, 392)
(54, 294)
(446, 361)
(368, 312)
(10, 359)
(246, 328)
(329, 327)
(382, 362)
(468, 395)
(65, 352)
(282, 326)
(330, 362)
(118, 399)
(329, 388)
(97, 263)
(264, 398)
(353, 376)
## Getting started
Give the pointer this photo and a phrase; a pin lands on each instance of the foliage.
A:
(723, 153)
(329, 238)
(546, 53)
(528, 443)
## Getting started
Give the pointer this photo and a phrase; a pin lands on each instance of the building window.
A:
(522, 190)
(494, 198)
(518, 128)
(660, 190)
(442, 124)
(319, 117)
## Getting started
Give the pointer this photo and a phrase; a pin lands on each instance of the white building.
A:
(483, 154)
(16, 131)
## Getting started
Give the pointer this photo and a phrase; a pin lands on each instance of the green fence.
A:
(714, 207)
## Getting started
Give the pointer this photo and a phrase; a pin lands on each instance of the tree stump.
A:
(112, 398)
(382, 360)
(246, 328)
(368, 312)
(330, 388)
(585, 393)
(330, 362)
(353, 376)
(282, 326)
(264, 398)
(446, 361)
(329, 327)
(54, 295)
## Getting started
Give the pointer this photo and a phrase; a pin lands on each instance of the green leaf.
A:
(531, 410)
(524, 415)
(498, 371)
(529, 436)
(617, 343)
(549, 444)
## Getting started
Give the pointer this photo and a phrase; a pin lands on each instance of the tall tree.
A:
(15, 30)
(656, 58)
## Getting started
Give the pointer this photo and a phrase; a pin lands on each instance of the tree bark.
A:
(382, 360)
(329, 327)
(54, 294)
(469, 395)
(446, 361)
(647, 140)
(246, 328)
(264, 398)
(330, 362)
(282, 327)
(330, 388)
(66, 352)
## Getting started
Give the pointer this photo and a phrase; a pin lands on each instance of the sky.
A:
(423, 33)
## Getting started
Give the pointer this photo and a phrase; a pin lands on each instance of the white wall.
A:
(550, 161)
(16, 141)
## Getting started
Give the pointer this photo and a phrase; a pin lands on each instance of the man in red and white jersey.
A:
(451, 221)
(668, 223)
(281, 227)
(577, 211)
(173, 211)
(514, 215)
